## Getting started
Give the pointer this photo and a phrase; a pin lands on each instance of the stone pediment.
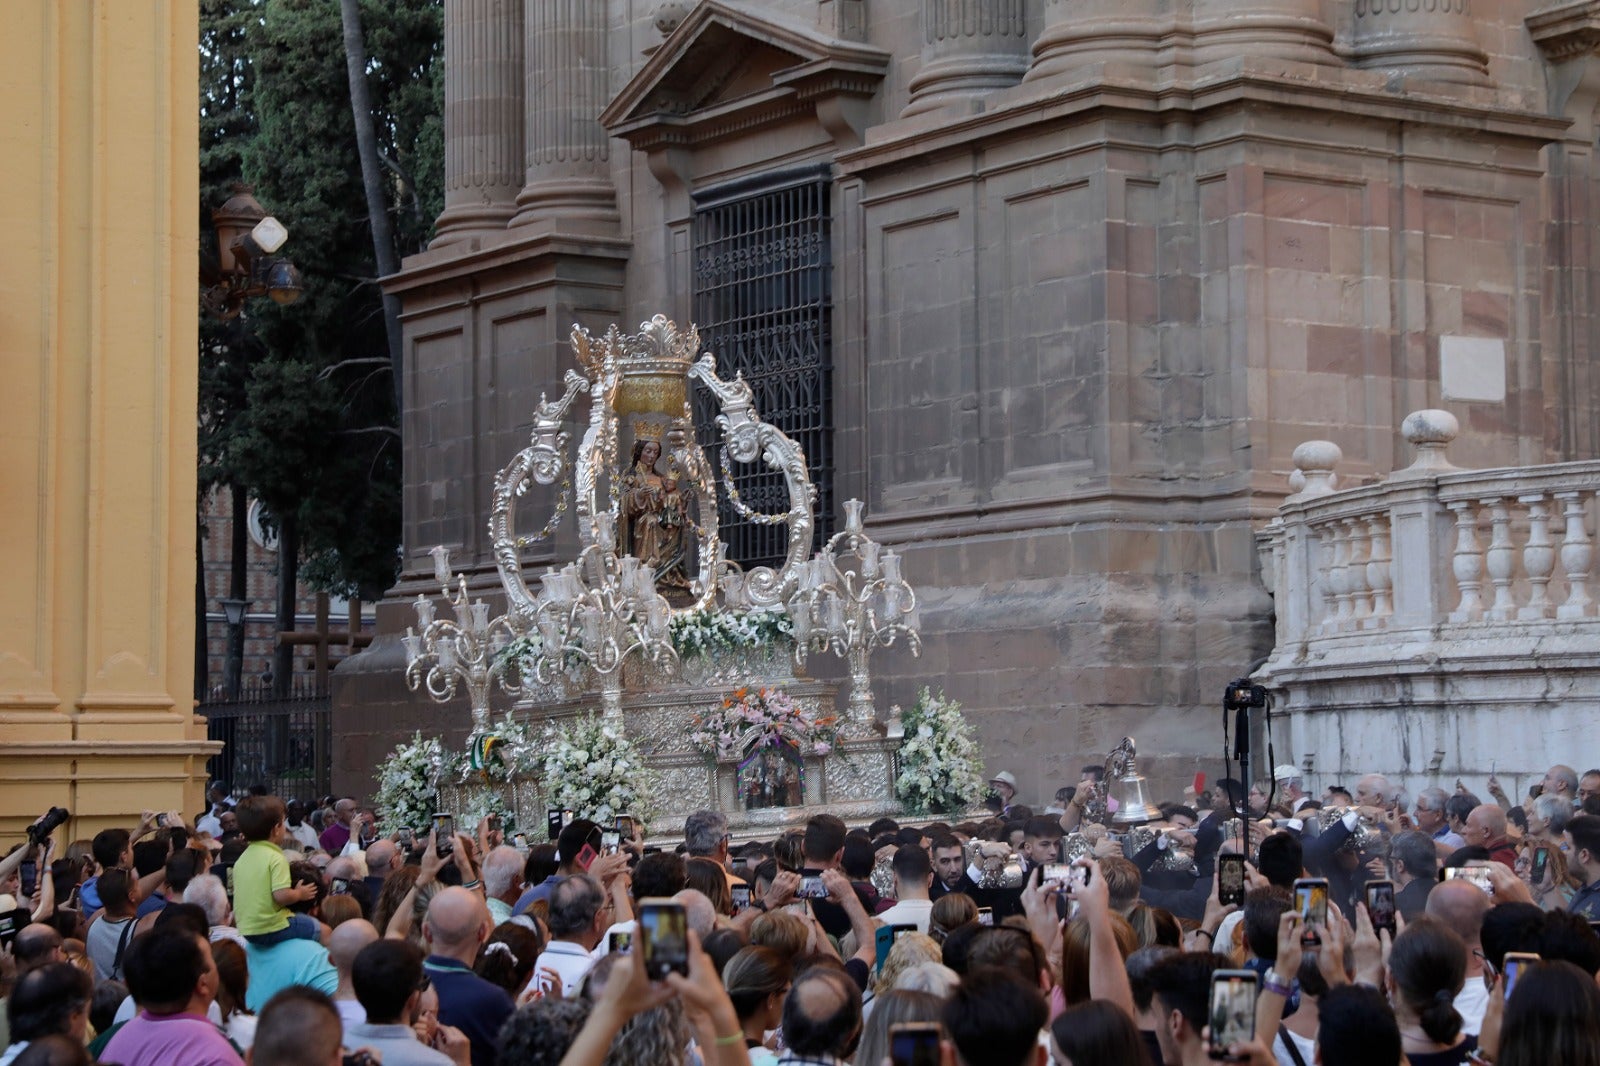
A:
(732, 68)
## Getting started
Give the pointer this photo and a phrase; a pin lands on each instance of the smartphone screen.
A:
(620, 942)
(339, 886)
(882, 943)
(1515, 962)
(1380, 906)
(1311, 900)
(404, 838)
(985, 915)
(1541, 860)
(1058, 872)
(444, 833)
(914, 1044)
(10, 922)
(30, 878)
(741, 898)
(664, 938)
(585, 857)
(520, 841)
(1478, 875)
(552, 823)
(811, 887)
(610, 843)
(1233, 1009)
(1230, 880)
(625, 826)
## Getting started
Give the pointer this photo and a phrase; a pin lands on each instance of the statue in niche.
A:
(770, 776)
(653, 511)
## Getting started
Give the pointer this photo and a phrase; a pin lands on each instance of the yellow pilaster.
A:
(99, 207)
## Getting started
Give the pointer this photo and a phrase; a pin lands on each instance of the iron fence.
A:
(283, 743)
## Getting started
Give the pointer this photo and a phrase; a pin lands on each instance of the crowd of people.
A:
(1251, 921)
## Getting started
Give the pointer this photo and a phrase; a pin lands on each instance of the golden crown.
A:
(652, 365)
(649, 429)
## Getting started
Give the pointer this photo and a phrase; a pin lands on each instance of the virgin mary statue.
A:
(653, 513)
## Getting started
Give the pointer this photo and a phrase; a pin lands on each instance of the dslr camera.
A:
(53, 819)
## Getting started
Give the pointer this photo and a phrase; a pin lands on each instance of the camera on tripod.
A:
(1242, 695)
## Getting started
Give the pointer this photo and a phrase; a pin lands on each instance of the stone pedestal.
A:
(568, 175)
(972, 47)
(855, 781)
(1429, 40)
(482, 117)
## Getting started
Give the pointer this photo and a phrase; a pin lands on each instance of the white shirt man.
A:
(913, 877)
(579, 915)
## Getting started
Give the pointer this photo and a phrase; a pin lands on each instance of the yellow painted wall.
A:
(99, 213)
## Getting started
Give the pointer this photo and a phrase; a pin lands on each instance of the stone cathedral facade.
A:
(1056, 286)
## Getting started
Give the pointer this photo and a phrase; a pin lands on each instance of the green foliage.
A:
(297, 402)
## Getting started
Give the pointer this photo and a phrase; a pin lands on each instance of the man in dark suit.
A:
(1414, 862)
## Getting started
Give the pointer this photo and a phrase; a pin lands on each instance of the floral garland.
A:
(408, 784)
(939, 761)
(522, 656)
(592, 769)
(754, 717)
(699, 633)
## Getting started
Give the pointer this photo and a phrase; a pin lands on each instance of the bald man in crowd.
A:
(344, 944)
(1562, 781)
(1486, 828)
(1461, 905)
(457, 925)
(35, 945)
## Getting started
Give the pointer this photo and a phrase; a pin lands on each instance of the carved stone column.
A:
(482, 116)
(1084, 33)
(1267, 29)
(569, 152)
(1430, 40)
(970, 47)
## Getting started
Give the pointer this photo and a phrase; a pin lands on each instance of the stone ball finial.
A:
(1314, 460)
(1430, 433)
(670, 15)
(1431, 426)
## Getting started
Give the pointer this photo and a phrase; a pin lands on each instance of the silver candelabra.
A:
(851, 611)
(444, 654)
(601, 609)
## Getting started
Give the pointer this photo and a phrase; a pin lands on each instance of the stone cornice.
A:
(1566, 30)
(469, 260)
(669, 103)
(1353, 94)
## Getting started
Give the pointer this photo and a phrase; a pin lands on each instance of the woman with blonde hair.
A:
(950, 912)
(787, 934)
(910, 949)
(1075, 955)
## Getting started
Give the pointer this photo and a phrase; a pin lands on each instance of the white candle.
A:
(441, 563)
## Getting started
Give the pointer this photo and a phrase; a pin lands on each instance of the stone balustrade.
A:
(1441, 610)
(1431, 548)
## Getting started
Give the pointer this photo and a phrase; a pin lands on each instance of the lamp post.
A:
(233, 666)
(247, 266)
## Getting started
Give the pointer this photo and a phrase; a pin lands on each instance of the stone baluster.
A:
(1467, 563)
(1355, 531)
(1501, 559)
(1379, 578)
(1271, 29)
(483, 117)
(1339, 577)
(1429, 40)
(1082, 34)
(1324, 579)
(1538, 557)
(970, 47)
(569, 152)
(1577, 553)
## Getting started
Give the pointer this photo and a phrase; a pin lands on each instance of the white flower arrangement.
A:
(939, 762)
(592, 769)
(699, 633)
(408, 784)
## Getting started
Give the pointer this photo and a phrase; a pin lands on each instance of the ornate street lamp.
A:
(233, 666)
(247, 238)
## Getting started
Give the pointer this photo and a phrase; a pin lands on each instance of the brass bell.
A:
(1133, 808)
